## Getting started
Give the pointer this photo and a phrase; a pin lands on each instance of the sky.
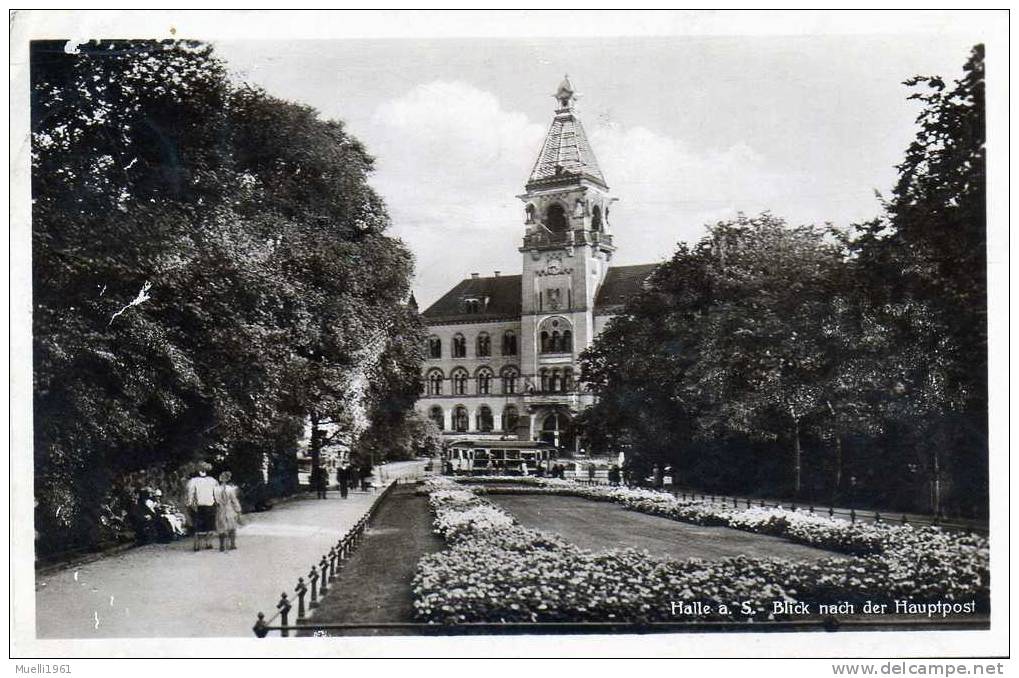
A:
(687, 130)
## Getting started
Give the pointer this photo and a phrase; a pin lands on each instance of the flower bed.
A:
(497, 570)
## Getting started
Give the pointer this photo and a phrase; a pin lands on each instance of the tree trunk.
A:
(837, 487)
(316, 444)
(797, 457)
(838, 462)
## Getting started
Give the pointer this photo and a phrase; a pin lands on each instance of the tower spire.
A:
(565, 153)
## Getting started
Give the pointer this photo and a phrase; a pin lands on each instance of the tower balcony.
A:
(540, 239)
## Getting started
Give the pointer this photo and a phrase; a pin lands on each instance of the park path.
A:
(168, 590)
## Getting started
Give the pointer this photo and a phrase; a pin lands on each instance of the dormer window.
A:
(474, 305)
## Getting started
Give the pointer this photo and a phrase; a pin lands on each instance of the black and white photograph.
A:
(510, 334)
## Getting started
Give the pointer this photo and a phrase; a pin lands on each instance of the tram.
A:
(498, 457)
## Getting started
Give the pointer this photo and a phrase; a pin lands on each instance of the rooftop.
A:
(499, 296)
(622, 283)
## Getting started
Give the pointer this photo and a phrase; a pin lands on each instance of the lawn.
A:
(600, 525)
(375, 584)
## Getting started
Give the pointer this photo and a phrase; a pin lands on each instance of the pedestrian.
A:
(201, 500)
(366, 474)
(143, 517)
(228, 511)
(343, 479)
(320, 481)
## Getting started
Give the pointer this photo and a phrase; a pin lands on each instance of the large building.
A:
(502, 351)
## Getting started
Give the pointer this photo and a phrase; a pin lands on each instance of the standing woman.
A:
(228, 511)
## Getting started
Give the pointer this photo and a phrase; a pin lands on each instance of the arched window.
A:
(553, 381)
(596, 218)
(567, 379)
(555, 219)
(434, 347)
(529, 214)
(485, 421)
(509, 343)
(459, 346)
(484, 345)
(510, 417)
(544, 380)
(459, 377)
(460, 419)
(555, 335)
(509, 380)
(435, 382)
(436, 415)
(484, 381)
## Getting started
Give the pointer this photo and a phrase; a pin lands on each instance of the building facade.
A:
(502, 350)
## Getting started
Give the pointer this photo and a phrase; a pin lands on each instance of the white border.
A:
(35, 24)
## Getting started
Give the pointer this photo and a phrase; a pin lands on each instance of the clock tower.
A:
(567, 247)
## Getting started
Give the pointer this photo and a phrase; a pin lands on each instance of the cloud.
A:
(451, 161)
(668, 192)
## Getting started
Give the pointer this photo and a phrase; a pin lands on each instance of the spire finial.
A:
(565, 94)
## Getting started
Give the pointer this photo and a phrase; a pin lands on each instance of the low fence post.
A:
(324, 577)
(332, 564)
(852, 515)
(877, 517)
(831, 511)
(260, 628)
(905, 521)
(313, 578)
(284, 607)
(300, 590)
(339, 555)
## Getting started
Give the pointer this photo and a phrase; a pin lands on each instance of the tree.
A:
(863, 352)
(210, 267)
(748, 339)
(924, 264)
